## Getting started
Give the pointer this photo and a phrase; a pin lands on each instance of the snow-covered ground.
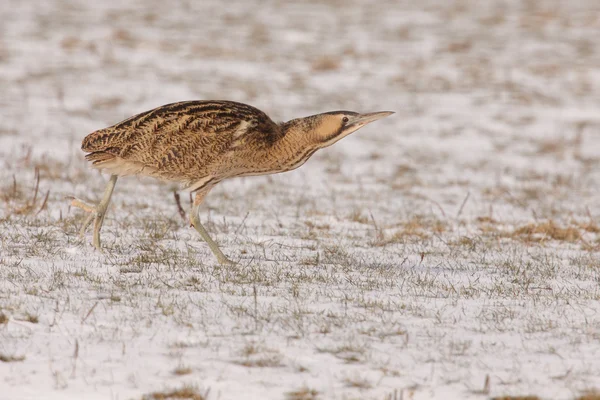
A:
(450, 251)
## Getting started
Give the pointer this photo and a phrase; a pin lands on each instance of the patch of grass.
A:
(516, 398)
(540, 232)
(590, 395)
(187, 392)
(20, 202)
(34, 319)
(350, 353)
(304, 393)
(6, 358)
(182, 371)
(314, 225)
(257, 355)
(591, 227)
(459, 46)
(326, 63)
(357, 382)
(264, 361)
(357, 216)
(314, 260)
(418, 228)
(555, 146)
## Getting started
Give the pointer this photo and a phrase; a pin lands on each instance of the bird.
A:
(199, 143)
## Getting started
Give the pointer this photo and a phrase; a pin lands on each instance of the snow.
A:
(395, 263)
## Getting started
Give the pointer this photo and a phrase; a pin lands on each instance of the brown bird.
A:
(201, 143)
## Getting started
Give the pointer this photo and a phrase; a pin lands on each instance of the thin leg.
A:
(195, 220)
(97, 212)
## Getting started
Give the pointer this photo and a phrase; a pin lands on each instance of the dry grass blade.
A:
(462, 206)
(37, 185)
(180, 209)
(44, 203)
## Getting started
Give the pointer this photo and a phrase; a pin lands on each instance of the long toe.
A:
(75, 202)
(86, 224)
(225, 261)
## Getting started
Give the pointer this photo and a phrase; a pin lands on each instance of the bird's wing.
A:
(178, 141)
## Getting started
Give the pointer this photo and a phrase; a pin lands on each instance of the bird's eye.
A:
(345, 119)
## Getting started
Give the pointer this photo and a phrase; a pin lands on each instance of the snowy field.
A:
(450, 251)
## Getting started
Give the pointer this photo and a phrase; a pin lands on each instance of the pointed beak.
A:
(362, 119)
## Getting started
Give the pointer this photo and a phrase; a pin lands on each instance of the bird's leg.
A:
(195, 220)
(97, 212)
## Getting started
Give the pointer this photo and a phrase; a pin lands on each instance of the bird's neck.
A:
(299, 132)
(296, 145)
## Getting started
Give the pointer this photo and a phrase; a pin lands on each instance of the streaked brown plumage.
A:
(200, 143)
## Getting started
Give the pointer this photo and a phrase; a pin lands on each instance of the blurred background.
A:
(69, 67)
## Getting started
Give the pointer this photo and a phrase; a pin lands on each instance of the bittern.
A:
(201, 143)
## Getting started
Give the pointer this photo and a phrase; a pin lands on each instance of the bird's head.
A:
(328, 128)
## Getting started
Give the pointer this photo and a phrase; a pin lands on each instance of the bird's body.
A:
(200, 143)
(191, 142)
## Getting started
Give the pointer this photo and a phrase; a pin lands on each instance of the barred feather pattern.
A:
(195, 143)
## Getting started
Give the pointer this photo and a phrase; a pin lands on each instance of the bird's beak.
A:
(361, 120)
(354, 123)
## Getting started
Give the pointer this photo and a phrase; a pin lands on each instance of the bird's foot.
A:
(96, 214)
(225, 261)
